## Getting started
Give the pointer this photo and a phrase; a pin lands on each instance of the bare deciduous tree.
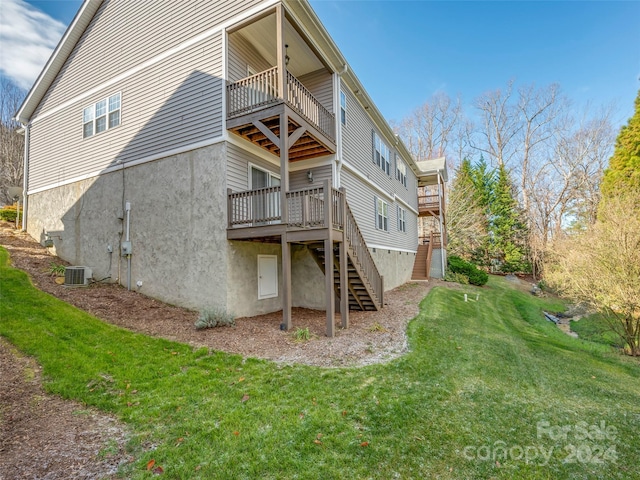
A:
(601, 267)
(430, 129)
(11, 142)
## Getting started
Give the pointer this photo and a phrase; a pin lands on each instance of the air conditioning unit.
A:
(77, 276)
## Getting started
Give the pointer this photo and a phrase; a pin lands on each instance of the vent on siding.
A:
(76, 276)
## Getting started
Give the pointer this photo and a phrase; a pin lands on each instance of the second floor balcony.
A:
(258, 97)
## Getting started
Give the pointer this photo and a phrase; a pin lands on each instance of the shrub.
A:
(215, 317)
(456, 277)
(9, 214)
(473, 273)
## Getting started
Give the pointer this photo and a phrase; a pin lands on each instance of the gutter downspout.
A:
(338, 89)
(25, 175)
(442, 233)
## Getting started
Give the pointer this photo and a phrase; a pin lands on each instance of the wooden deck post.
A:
(344, 264)
(286, 282)
(281, 53)
(328, 260)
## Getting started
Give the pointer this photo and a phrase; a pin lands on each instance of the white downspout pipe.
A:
(337, 90)
(441, 196)
(25, 176)
(127, 239)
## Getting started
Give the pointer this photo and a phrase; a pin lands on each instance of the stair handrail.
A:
(367, 266)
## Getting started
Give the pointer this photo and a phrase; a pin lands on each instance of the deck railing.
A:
(429, 202)
(252, 93)
(261, 91)
(305, 207)
(254, 207)
(363, 257)
(303, 102)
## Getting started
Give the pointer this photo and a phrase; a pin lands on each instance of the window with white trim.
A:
(382, 215)
(402, 219)
(381, 154)
(343, 108)
(101, 116)
(401, 171)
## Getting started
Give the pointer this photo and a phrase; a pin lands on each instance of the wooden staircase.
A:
(361, 296)
(422, 264)
(365, 284)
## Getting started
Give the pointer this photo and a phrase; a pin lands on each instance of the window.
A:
(402, 220)
(382, 215)
(343, 108)
(101, 116)
(401, 171)
(381, 153)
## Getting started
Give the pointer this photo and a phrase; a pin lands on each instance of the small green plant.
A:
(215, 317)
(473, 273)
(456, 277)
(56, 269)
(302, 334)
(9, 214)
(376, 327)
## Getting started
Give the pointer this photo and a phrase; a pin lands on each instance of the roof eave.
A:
(56, 61)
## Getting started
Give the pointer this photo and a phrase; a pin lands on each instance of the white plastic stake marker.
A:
(465, 297)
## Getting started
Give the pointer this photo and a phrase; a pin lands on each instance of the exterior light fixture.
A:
(286, 56)
(310, 176)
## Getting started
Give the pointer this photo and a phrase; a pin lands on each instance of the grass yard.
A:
(595, 329)
(489, 390)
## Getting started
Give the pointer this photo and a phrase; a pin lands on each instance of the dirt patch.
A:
(45, 437)
(372, 337)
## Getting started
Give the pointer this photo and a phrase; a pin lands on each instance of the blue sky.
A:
(404, 52)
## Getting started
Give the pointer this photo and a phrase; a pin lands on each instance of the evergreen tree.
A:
(623, 174)
(507, 228)
(484, 180)
(466, 218)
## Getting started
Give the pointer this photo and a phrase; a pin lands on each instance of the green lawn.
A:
(489, 390)
(596, 329)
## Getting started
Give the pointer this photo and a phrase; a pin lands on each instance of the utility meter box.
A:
(126, 248)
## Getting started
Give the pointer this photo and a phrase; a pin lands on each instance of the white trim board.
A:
(115, 168)
(394, 249)
(391, 197)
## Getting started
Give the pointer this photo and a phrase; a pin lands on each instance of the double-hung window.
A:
(401, 171)
(402, 219)
(382, 215)
(343, 108)
(381, 153)
(101, 116)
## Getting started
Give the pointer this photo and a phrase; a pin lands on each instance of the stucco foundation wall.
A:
(177, 226)
(242, 275)
(437, 270)
(395, 266)
(307, 285)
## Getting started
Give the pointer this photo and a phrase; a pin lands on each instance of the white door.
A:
(267, 276)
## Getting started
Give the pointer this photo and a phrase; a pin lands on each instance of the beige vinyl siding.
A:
(242, 55)
(168, 106)
(299, 180)
(123, 34)
(238, 160)
(357, 151)
(320, 84)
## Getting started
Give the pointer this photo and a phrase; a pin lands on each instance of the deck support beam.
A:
(344, 272)
(286, 283)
